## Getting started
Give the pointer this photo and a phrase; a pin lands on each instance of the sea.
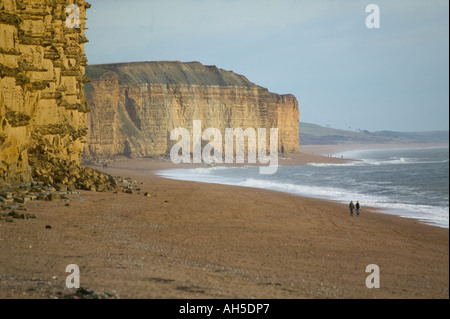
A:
(411, 183)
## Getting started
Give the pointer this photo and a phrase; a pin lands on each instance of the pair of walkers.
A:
(353, 206)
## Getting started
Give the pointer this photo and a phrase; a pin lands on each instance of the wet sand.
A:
(196, 240)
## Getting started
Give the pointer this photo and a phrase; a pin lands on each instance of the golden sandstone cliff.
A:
(46, 122)
(135, 106)
(43, 110)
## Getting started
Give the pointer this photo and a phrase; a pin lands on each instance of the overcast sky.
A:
(343, 74)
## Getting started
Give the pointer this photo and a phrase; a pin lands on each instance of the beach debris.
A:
(14, 215)
(86, 293)
(71, 181)
(8, 217)
(53, 196)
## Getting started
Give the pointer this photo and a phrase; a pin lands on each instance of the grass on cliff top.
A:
(95, 72)
(317, 130)
(170, 72)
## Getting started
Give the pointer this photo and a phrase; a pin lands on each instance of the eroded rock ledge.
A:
(43, 110)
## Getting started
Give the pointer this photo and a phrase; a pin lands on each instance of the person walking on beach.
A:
(358, 208)
(352, 207)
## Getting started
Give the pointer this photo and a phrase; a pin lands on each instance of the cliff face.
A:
(43, 110)
(135, 106)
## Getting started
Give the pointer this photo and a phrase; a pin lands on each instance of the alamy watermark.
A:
(373, 280)
(373, 19)
(73, 280)
(213, 151)
(73, 18)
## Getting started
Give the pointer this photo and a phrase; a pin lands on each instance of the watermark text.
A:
(213, 151)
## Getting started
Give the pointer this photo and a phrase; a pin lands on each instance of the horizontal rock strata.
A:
(135, 106)
(43, 110)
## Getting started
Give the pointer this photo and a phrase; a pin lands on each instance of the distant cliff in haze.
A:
(313, 134)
